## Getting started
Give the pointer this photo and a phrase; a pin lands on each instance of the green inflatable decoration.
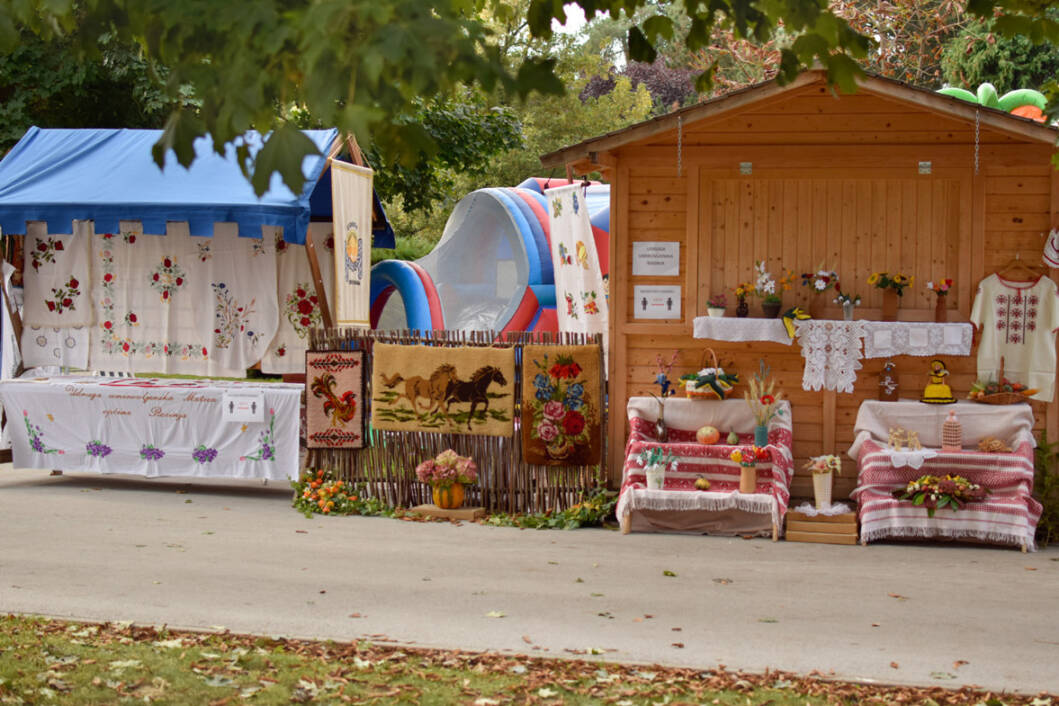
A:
(987, 96)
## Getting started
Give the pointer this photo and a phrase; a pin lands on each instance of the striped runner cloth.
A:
(1008, 516)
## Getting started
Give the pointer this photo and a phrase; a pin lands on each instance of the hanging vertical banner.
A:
(579, 289)
(351, 189)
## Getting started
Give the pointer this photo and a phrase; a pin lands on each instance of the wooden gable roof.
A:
(592, 154)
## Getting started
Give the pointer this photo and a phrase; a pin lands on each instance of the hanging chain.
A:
(680, 144)
(977, 121)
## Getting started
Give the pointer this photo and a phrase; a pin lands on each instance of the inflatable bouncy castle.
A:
(492, 268)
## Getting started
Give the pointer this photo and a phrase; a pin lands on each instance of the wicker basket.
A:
(1003, 397)
(709, 360)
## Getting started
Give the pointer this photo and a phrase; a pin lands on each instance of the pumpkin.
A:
(448, 498)
(708, 435)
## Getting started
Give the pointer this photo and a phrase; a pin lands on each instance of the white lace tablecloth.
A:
(721, 328)
(885, 339)
(912, 459)
(832, 353)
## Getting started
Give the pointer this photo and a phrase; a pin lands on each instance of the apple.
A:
(707, 435)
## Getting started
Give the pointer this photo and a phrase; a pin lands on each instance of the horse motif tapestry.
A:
(561, 403)
(459, 390)
(335, 400)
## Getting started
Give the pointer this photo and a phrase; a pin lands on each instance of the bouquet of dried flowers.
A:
(825, 464)
(761, 395)
(933, 492)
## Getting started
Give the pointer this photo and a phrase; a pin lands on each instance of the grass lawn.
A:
(57, 662)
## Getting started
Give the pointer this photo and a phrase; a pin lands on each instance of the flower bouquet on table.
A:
(848, 302)
(655, 461)
(710, 381)
(821, 280)
(941, 287)
(446, 474)
(770, 289)
(716, 304)
(933, 492)
(896, 282)
(559, 407)
(750, 456)
(763, 399)
(742, 291)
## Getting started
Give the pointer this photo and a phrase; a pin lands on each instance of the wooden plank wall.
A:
(835, 182)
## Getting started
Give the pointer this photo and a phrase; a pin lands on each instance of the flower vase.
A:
(847, 310)
(941, 314)
(817, 300)
(770, 310)
(747, 479)
(656, 476)
(715, 311)
(822, 490)
(448, 498)
(742, 308)
(889, 304)
(761, 435)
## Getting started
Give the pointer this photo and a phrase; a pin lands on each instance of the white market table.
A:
(151, 427)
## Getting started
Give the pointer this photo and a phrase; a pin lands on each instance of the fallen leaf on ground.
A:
(875, 625)
(767, 620)
(1031, 568)
(723, 582)
(676, 629)
(295, 531)
(898, 596)
(647, 616)
(355, 615)
(959, 663)
(895, 665)
(527, 640)
(495, 614)
(546, 693)
(942, 675)
(678, 645)
(667, 572)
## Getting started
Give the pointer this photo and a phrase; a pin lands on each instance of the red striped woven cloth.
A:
(693, 459)
(1008, 516)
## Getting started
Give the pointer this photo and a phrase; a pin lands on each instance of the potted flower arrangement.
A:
(941, 288)
(823, 468)
(848, 302)
(933, 492)
(893, 286)
(743, 291)
(654, 462)
(716, 304)
(763, 399)
(748, 458)
(446, 474)
(770, 289)
(819, 282)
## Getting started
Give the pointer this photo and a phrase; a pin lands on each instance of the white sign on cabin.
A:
(656, 301)
(655, 259)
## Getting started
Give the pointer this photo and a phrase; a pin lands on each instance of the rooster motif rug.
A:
(335, 399)
(453, 390)
(561, 403)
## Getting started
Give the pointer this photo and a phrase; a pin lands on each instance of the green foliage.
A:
(322, 493)
(978, 55)
(590, 512)
(1046, 489)
(45, 84)
(465, 135)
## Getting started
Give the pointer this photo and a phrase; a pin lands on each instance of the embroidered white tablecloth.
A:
(150, 427)
(721, 328)
(885, 339)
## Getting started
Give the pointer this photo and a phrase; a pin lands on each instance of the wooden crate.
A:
(822, 529)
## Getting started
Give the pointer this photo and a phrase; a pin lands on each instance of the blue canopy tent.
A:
(106, 175)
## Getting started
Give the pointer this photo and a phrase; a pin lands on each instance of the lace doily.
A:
(885, 339)
(832, 353)
(722, 328)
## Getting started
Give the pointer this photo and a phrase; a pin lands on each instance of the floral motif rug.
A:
(561, 402)
(454, 390)
(335, 399)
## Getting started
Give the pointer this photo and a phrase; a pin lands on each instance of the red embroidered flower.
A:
(73, 283)
(125, 346)
(155, 277)
(573, 423)
(58, 245)
(41, 247)
(305, 321)
(108, 325)
(132, 318)
(132, 238)
(67, 301)
(108, 277)
(165, 294)
(565, 367)
(305, 307)
(51, 306)
(301, 293)
(281, 351)
(179, 281)
(313, 299)
(167, 262)
(108, 236)
(204, 352)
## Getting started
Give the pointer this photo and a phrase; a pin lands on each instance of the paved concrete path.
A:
(234, 554)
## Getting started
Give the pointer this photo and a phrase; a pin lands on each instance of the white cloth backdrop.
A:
(9, 353)
(47, 345)
(298, 309)
(351, 189)
(579, 290)
(57, 276)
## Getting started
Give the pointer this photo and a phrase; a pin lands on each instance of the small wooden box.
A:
(822, 529)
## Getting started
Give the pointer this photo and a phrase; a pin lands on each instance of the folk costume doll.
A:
(937, 390)
(1017, 321)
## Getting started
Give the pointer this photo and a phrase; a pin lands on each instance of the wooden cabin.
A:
(890, 178)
